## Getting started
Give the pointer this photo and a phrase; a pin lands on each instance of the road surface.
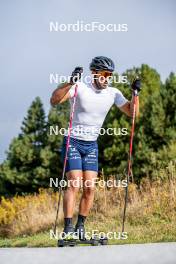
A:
(157, 253)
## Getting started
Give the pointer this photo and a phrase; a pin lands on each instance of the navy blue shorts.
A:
(82, 155)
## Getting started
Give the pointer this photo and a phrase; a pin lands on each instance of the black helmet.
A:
(102, 63)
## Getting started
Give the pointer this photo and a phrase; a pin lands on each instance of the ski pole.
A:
(129, 158)
(66, 153)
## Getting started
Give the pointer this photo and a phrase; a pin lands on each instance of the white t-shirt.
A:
(91, 108)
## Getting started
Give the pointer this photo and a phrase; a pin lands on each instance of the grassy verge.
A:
(163, 232)
(151, 215)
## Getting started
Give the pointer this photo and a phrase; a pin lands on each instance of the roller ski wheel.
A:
(104, 241)
(66, 243)
(91, 242)
(68, 240)
(95, 242)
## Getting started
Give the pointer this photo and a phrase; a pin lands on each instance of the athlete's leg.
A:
(86, 201)
(73, 175)
(74, 180)
(88, 192)
(90, 171)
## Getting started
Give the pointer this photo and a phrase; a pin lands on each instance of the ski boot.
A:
(80, 231)
(67, 237)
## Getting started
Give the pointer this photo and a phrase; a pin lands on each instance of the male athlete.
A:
(93, 101)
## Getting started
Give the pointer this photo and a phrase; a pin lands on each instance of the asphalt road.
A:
(159, 253)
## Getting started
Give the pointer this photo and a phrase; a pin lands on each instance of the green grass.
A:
(163, 232)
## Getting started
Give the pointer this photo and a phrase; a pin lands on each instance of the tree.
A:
(34, 156)
(168, 94)
(58, 118)
(23, 170)
(149, 128)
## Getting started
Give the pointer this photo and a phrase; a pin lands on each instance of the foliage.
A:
(153, 202)
(34, 155)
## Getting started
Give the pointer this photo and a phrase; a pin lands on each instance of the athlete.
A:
(93, 101)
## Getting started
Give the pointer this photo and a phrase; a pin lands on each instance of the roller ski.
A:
(79, 238)
(71, 242)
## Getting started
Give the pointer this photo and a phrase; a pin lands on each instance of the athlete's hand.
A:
(136, 86)
(76, 75)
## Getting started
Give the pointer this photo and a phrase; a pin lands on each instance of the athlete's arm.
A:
(127, 108)
(61, 94)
